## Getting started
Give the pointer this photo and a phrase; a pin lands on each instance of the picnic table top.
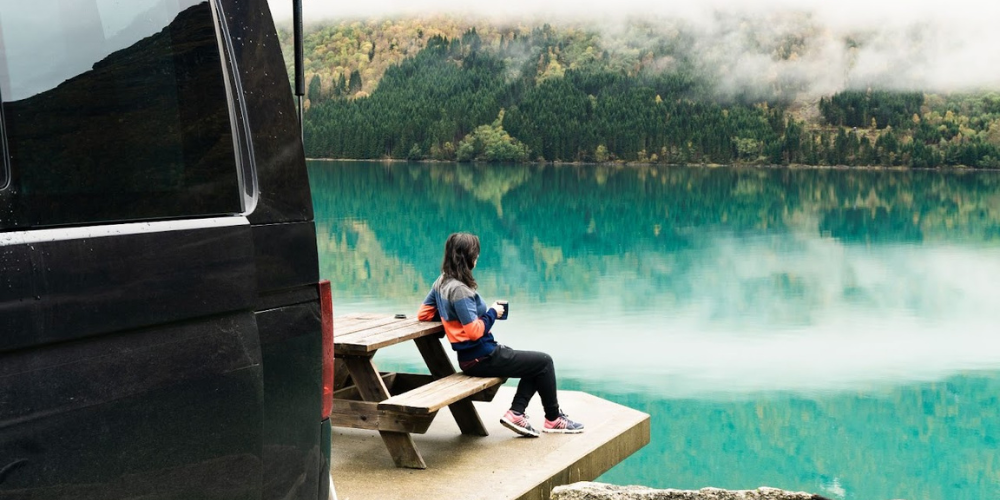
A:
(361, 334)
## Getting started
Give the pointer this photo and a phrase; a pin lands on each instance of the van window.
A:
(113, 111)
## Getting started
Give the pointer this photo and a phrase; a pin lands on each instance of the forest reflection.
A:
(558, 229)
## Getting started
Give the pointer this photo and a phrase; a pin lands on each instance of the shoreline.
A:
(793, 166)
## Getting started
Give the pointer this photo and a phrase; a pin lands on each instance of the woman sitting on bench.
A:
(467, 321)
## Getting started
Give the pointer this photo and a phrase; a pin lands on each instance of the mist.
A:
(856, 13)
(856, 317)
(921, 45)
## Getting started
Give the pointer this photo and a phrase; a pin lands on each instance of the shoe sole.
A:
(563, 431)
(520, 430)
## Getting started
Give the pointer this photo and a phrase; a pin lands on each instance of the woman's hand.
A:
(498, 307)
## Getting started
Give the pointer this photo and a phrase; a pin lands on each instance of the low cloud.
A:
(852, 13)
(920, 45)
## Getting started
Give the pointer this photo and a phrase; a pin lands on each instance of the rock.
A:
(600, 491)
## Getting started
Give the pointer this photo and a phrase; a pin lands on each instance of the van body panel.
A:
(15, 280)
(165, 402)
(293, 456)
(89, 286)
(286, 256)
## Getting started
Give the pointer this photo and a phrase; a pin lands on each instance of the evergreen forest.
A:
(442, 90)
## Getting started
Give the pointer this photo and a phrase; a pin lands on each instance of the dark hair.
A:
(460, 253)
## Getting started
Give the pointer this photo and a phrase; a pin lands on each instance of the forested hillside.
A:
(446, 89)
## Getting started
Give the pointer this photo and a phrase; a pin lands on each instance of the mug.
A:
(506, 308)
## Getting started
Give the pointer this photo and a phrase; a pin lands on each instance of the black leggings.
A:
(535, 369)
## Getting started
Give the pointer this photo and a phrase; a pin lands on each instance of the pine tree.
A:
(315, 90)
(354, 85)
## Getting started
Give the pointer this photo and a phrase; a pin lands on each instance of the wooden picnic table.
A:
(398, 404)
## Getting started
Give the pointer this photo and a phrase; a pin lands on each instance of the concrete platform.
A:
(501, 466)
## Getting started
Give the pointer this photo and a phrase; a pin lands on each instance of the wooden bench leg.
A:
(467, 418)
(340, 374)
(400, 444)
(440, 366)
(404, 452)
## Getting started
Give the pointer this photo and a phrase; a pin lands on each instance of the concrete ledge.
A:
(600, 491)
(501, 466)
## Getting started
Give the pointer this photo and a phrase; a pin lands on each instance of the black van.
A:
(162, 328)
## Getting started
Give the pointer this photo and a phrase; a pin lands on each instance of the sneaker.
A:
(562, 425)
(518, 424)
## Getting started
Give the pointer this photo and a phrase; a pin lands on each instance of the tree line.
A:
(460, 99)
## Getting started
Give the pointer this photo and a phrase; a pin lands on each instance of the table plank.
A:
(357, 333)
(365, 342)
(366, 415)
(409, 332)
(438, 394)
(352, 325)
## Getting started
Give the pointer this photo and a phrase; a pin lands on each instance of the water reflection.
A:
(822, 330)
(935, 441)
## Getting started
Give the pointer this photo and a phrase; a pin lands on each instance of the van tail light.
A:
(326, 311)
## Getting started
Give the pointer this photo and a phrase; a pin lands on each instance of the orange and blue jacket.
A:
(466, 318)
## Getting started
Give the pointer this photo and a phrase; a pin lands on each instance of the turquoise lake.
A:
(830, 331)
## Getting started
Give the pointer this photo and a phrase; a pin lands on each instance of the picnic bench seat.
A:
(442, 392)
